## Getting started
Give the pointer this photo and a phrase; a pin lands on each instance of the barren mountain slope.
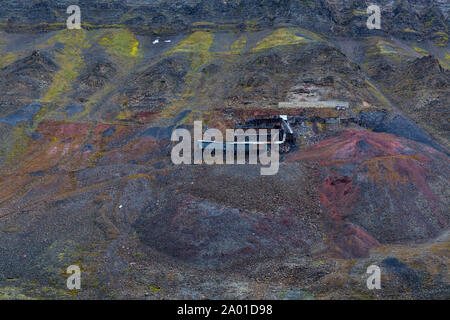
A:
(85, 170)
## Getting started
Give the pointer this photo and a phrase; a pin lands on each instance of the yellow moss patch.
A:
(12, 293)
(139, 176)
(12, 229)
(198, 45)
(7, 58)
(420, 50)
(429, 22)
(238, 45)
(359, 12)
(377, 46)
(444, 63)
(383, 48)
(382, 169)
(311, 35)
(121, 43)
(203, 23)
(378, 94)
(318, 262)
(280, 37)
(388, 48)
(409, 30)
(252, 25)
(70, 61)
(154, 288)
(441, 39)
(95, 100)
(124, 115)
(19, 143)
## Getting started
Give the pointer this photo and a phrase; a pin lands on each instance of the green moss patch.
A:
(70, 61)
(197, 45)
(280, 37)
(420, 50)
(121, 42)
(18, 143)
(441, 39)
(239, 45)
(7, 58)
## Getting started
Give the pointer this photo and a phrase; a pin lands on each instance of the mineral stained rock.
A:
(86, 177)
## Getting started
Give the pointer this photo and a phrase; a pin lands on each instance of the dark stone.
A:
(74, 109)
(25, 114)
(181, 116)
(405, 273)
(398, 125)
(37, 173)
(109, 132)
(158, 132)
(88, 148)
(36, 136)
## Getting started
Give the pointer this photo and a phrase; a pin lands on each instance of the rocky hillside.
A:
(404, 18)
(85, 170)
